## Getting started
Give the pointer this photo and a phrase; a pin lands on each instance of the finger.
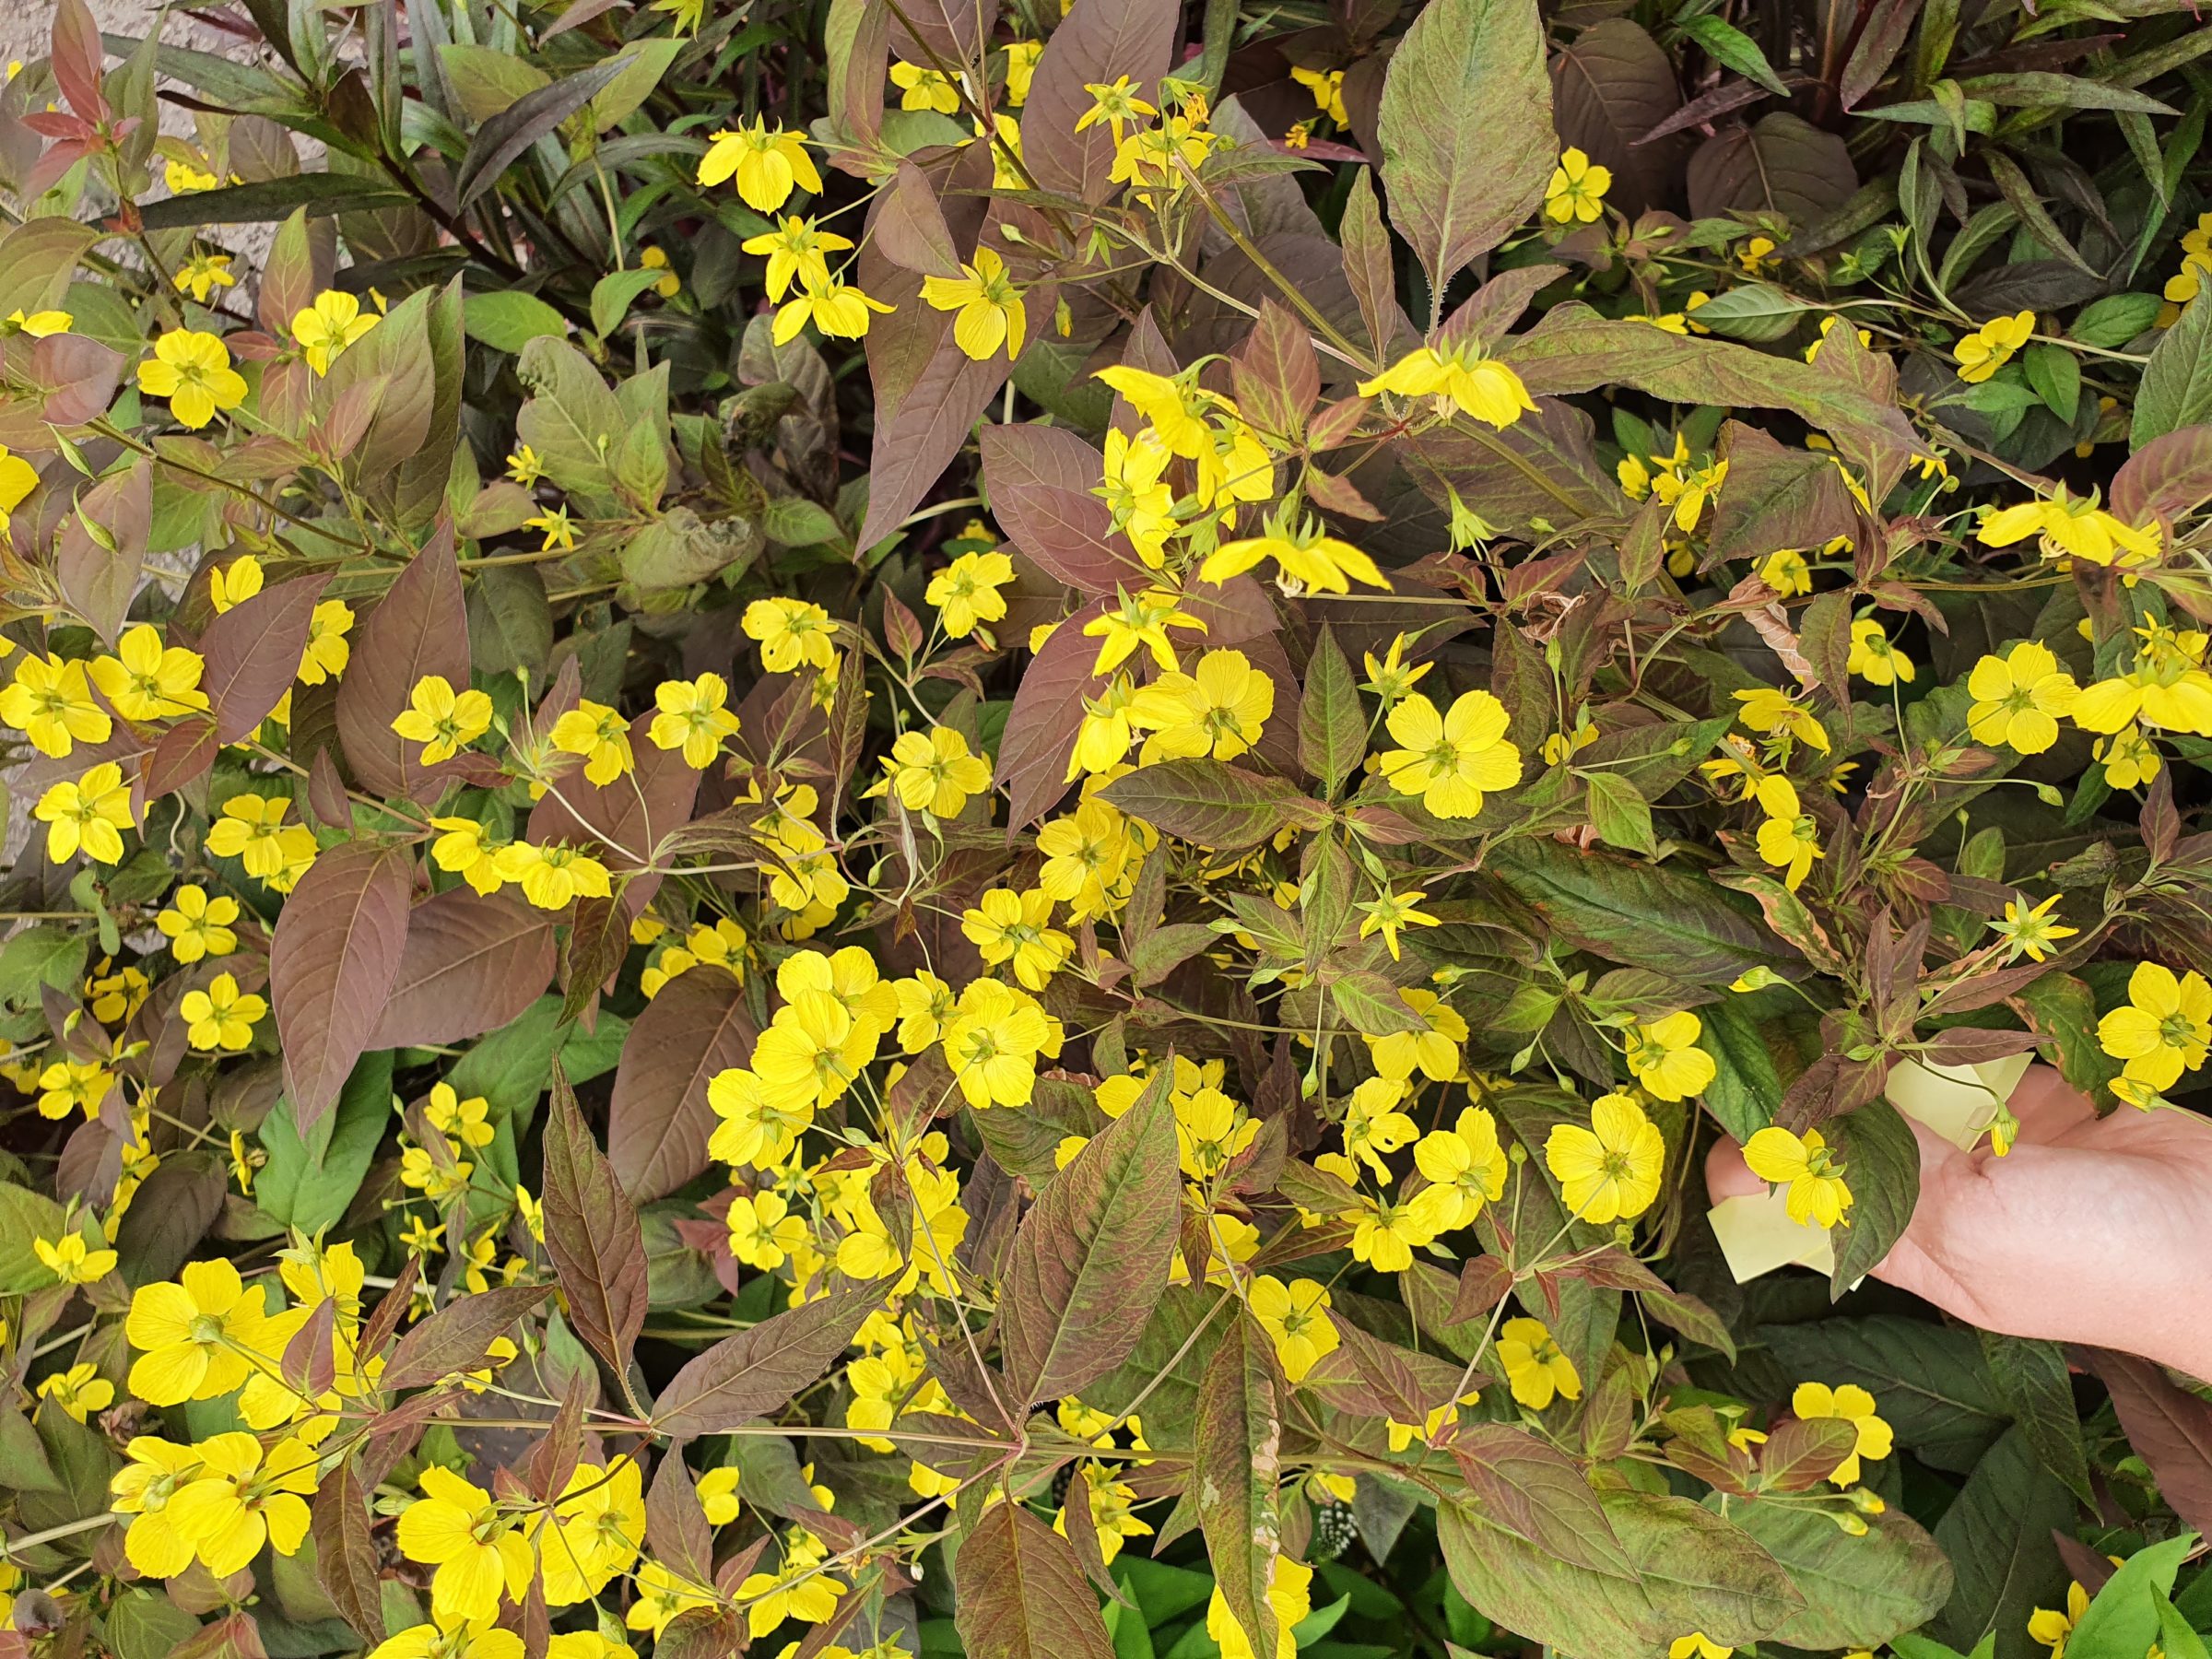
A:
(1726, 1174)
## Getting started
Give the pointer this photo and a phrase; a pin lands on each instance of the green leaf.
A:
(1859, 1592)
(2177, 381)
(2117, 319)
(310, 1179)
(2124, 1620)
(40, 955)
(1732, 49)
(2055, 374)
(1332, 726)
(509, 320)
(615, 293)
(1621, 816)
(1745, 1038)
(795, 522)
(1092, 1254)
(1882, 1166)
(25, 1215)
(1636, 914)
(1997, 1535)
(499, 141)
(511, 1066)
(2033, 1379)
(1211, 804)
(1465, 130)
(571, 419)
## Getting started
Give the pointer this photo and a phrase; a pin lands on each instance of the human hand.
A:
(2092, 1231)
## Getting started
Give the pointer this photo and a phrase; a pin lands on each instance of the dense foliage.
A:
(888, 830)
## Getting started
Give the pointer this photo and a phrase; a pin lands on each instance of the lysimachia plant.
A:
(879, 828)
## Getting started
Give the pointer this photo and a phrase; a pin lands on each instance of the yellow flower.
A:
(2163, 1030)
(198, 926)
(442, 721)
(718, 1494)
(598, 733)
(1296, 1319)
(1663, 1057)
(90, 814)
(1386, 1233)
(1805, 1165)
(766, 163)
(79, 1391)
(933, 771)
(1789, 837)
(69, 1086)
(221, 1018)
(988, 306)
(1219, 710)
(201, 274)
(1327, 87)
(252, 830)
(1479, 385)
(668, 285)
(480, 1552)
(243, 1499)
(235, 582)
(991, 1043)
(1697, 1645)
(599, 1524)
(1689, 491)
(1113, 105)
(1433, 1051)
(691, 718)
(1393, 912)
(550, 876)
(193, 371)
(1874, 659)
(2030, 932)
(1007, 926)
(1464, 1160)
(1021, 65)
(2052, 1628)
(38, 324)
(1786, 571)
(791, 631)
(1142, 621)
(553, 525)
(2072, 526)
(923, 88)
(1536, 1370)
(835, 306)
(763, 1231)
(146, 680)
(1577, 191)
(2017, 698)
(1111, 1516)
(1990, 346)
(1609, 1171)
(795, 248)
(328, 326)
(199, 1337)
(523, 465)
(18, 479)
(49, 702)
(1452, 760)
(72, 1262)
(1771, 711)
(143, 1487)
(966, 592)
(1854, 1406)
(2166, 688)
(327, 652)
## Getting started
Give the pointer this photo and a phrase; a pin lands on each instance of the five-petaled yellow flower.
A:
(1576, 193)
(1990, 346)
(2165, 1027)
(1609, 1171)
(328, 326)
(988, 307)
(220, 1018)
(193, 371)
(90, 814)
(1807, 1167)
(443, 721)
(1854, 1406)
(1450, 760)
